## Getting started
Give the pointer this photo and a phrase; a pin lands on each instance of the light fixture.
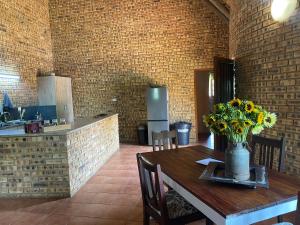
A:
(281, 10)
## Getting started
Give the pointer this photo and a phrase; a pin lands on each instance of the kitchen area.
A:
(44, 150)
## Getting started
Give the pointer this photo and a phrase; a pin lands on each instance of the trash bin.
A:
(142, 134)
(183, 132)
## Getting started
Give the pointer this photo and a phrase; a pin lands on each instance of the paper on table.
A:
(207, 161)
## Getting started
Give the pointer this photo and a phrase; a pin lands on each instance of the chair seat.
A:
(178, 206)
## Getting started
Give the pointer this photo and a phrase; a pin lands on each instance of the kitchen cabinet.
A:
(56, 90)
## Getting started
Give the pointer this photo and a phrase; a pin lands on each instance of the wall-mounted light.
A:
(281, 10)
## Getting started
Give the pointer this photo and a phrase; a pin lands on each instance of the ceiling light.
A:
(281, 10)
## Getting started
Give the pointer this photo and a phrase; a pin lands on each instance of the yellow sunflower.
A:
(209, 120)
(248, 123)
(249, 106)
(239, 130)
(270, 119)
(222, 125)
(260, 118)
(234, 123)
(235, 102)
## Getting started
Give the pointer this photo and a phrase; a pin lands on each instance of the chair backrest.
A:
(266, 149)
(164, 140)
(153, 193)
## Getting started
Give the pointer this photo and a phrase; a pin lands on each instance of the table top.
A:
(226, 199)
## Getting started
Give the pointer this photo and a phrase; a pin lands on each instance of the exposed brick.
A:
(274, 47)
(116, 48)
(25, 47)
(38, 169)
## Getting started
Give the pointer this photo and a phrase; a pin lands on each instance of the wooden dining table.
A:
(224, 204)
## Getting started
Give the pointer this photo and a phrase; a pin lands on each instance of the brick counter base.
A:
(55, 165)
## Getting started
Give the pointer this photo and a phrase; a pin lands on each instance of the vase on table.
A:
(237, 158)
(235, 119)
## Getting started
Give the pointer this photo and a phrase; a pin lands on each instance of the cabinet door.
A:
(64, 101)
(46, 90)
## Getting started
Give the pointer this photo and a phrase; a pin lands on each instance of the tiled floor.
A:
(111, 197)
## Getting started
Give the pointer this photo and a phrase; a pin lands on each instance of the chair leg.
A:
(209, 222)
(146, 219)
(279, 219)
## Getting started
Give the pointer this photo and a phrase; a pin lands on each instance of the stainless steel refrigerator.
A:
(157, 110)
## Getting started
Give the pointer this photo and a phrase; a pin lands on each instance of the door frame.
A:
(196, 71)
(220, 142)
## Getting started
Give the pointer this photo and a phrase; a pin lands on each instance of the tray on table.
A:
(215, 171)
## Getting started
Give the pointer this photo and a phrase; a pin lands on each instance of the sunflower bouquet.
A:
(237, 118)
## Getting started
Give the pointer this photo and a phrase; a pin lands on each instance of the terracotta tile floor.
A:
(111, 197)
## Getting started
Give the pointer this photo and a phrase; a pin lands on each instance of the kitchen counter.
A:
(78, 123)
(55, 164)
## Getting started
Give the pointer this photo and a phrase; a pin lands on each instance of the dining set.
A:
(174, 193)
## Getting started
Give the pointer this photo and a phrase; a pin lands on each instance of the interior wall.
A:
(25, 47)
(268, 59)
(114, 49)
(202, 97)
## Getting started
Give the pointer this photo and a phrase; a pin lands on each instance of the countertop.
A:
(78, 124)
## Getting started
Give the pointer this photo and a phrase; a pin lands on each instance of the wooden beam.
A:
(220, 7)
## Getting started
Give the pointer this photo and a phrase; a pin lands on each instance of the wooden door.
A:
(224, 90)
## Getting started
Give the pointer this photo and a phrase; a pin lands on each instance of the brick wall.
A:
(25, 47)
(268, 59)
(90, 148)
(113, 49)
(56, 165)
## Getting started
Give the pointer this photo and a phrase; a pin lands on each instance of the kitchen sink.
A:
(11, 123)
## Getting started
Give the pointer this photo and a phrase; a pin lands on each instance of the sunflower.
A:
(270, 119)
(222, 125)
(235, 102)
(248, 123)
(208, 120)
(234, 123)
(249, 106)
(239, 130)
(260, 118)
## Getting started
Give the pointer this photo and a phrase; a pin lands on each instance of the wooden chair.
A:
(166, 208)
(266, 147)
(164, 140)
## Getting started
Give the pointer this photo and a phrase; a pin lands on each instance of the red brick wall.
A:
(115, 48)
(268, 59)
(25, 47)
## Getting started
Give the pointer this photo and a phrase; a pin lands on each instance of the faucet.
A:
(21, 112)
